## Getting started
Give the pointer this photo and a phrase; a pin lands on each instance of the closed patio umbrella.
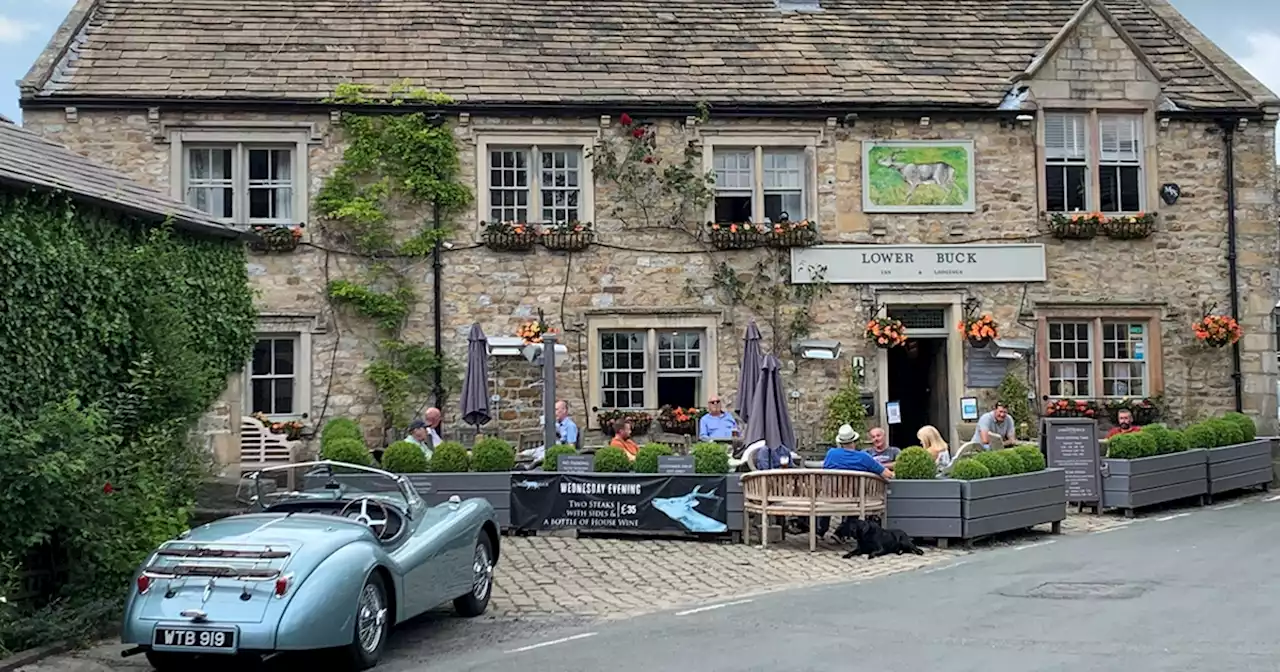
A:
(770, 422)
(750, 373)
(475, 387)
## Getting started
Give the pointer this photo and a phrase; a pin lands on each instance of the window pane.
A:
(261, 358)
(1130, 189)
(788, 206)
(262, 396)
(1069, 362)
(679, 351)
(622, 369)
(1124, 366)
(734, 170)
(783, 170)
(209, 185)
(508, 185)
(1109, 182)
(733, 209)
(283, 401)
(284, 356)
(270, 184)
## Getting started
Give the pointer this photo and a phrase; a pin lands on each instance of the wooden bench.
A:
(811, 493)
(261, 448)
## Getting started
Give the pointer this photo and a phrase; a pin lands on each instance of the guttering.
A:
(437, 317)
(1228, 136)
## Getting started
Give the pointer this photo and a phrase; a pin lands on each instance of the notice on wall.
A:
(541, 501)
(1071, 444)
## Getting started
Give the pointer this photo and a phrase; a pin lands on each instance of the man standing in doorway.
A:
(996, 422)
(880, 449)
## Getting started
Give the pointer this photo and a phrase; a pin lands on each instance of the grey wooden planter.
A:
(733, 504)
(493, 486)
(1132, 484)
(1244, 465)
(946, 509)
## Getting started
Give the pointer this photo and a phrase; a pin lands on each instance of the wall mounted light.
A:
(1010, 348)
(533, 352)
(1164, 123)
(1025, 120)
(924, 122)
(818, 349)
(506, 346)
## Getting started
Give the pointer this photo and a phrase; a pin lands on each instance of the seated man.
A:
(420, 435)
(622, 439)
(880, 449)
(566, 433)
(717, 423)
(996, 422)
(848, 457)
(1125, 424)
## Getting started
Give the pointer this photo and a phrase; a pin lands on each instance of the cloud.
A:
(1262, 58)
(13, 31)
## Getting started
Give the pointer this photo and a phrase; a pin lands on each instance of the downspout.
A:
(1228, 136)
(437, 266)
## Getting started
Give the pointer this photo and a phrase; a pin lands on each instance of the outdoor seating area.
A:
(809, 493)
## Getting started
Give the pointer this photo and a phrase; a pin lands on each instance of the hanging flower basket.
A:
(980, 330)
(568, 236)
(792, 234)
(1075, 226)
(1144, 411)
(886, 332)
(1217, 331)
(734, 236)
(1071, 408)
(680, 420)
(276, 238)
(1131, 227)
(509, 236)
(532, 332)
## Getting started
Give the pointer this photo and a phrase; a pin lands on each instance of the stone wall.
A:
(1182, 266)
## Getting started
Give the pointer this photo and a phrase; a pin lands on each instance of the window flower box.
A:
(785, 235)
(272, 238)
(1075, 226)
(568, 236)
(682, 421)
(509, 236)
(640, 421)
(735, 236)
(1071, 408)
(1130, 227)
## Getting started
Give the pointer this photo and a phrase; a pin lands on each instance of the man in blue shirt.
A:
(716, 423)
(847, 457)
(566, 428)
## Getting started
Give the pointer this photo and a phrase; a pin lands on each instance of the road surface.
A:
(1189, 591)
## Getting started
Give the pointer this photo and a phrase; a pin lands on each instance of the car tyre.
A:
(475, 602)
(372, 626)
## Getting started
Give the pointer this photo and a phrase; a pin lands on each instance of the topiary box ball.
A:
(915, 463)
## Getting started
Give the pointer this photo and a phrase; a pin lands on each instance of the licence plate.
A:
(215, 640)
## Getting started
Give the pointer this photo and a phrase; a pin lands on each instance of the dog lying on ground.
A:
(874, 541)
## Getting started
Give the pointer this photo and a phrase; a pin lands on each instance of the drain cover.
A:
(1081, 590)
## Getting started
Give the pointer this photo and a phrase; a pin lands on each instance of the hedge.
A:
(404, 457)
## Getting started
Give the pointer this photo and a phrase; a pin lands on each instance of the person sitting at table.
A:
(846, 456)
(566, 433)
(716, 423)
(880, 449)
(931, 440)
(420, 436)
(622, 439)
(996, 422)
(1124, 424)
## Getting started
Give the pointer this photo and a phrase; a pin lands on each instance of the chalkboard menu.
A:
(675, 464)
(1071, 444)
(576, 464)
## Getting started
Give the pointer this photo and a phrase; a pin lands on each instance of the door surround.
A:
(952, 304)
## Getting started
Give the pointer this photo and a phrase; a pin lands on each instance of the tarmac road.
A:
(1189, 591)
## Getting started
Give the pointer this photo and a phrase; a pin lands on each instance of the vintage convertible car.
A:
(333, 556)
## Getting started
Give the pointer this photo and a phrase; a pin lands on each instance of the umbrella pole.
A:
(549, 390)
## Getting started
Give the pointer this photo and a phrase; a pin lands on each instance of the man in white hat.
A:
(848, 457)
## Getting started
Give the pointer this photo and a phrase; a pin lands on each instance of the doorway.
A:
(917, 373)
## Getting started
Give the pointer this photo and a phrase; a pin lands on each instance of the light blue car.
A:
(333, 557)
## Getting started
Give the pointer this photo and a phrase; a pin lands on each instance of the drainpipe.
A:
(437, 266)
(1228, 136)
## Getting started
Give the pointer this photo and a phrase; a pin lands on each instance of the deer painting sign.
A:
(917, 176)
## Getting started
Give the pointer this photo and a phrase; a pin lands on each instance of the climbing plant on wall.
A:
(398, 165)
(767, 291)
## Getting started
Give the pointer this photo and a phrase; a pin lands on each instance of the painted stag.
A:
(916, 174)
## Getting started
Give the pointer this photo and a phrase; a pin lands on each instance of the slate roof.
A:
(30, 161)
(493, 52)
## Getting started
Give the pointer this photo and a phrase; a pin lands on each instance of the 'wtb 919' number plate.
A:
(223, 641)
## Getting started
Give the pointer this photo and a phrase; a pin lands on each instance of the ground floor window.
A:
(278, 376)
(1088, 356)
(643, 365)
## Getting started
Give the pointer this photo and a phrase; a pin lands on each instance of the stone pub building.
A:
(930, 145)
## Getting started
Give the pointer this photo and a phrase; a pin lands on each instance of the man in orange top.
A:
(1124, 424)
(622, 439)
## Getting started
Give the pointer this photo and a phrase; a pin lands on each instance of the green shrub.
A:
(492, 454)
(915, 464)
(340, 428)
(1032, 458)
(969, 469)
(449, 457)
(1175, 441)
(1124, 447)
(612, 460)
(1017, 460)
(647, 458)
(710, 458)
(1200, 435)
(1147, 444)
(1160, 434)
(349, 451)
(1248, 430)
(996, 462)
(404, 457)
(845, 407)
(551, 460)
(1226, 433)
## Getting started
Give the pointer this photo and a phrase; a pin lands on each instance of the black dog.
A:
(874, 541)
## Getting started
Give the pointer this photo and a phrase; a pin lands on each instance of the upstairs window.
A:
(1120, 163)
(1066, 170)
(1081, 159)
(758, 183)
(535, 184)
(242, 184)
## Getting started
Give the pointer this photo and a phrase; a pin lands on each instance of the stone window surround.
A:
(806, 141)
(1092, 313)
(650, 321)
(1092, 110)
(299, 328)
(297, 136)
(584, 138)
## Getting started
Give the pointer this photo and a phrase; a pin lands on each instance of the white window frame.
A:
(1073, 152)
(1144, 362)
(301, 329)
(1089, 340)
(1119, 159)
(651, 325)
(533, 142)
(240, 139)
(805, 144)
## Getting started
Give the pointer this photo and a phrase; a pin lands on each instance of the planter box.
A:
(438, 488)
(949, 509)
(1132, 484)
(1244, 465)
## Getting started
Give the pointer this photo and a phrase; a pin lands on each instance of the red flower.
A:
(625, 119)
(648, 159)
(637, 132)
(108, 489)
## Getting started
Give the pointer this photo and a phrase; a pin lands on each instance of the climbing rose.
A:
(625, 119)
(108, 489)
(637, 133)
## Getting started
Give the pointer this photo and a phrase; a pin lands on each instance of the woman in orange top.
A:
(622, 439)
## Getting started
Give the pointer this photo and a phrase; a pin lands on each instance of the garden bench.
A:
(261, 448)
(812, 493)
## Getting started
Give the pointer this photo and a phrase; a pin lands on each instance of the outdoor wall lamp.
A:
(506, 346)
(1010, 348)
(818, 349)
(924, 122)
(533, 353)
(1025, 120)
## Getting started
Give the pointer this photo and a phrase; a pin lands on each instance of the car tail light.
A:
(282, 586)
(144, 583)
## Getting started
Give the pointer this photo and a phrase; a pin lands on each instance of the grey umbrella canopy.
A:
(475, 387)
(770, 421)
(750, 373)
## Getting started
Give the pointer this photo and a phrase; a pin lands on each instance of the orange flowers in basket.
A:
(532, 332)
(886, 332)
(979, 328)
(1217, 331)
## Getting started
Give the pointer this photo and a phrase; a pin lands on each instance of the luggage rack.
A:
(210, 560)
